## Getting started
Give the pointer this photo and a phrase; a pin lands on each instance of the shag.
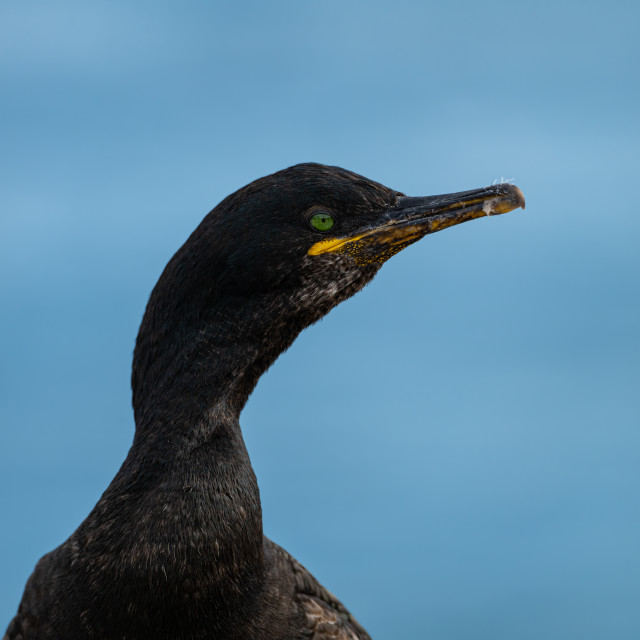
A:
(174, 548)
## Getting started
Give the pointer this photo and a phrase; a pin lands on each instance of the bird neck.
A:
(200, 351)
(196, 365)
(187, 485)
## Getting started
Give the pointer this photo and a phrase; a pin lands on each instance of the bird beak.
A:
(413, 218)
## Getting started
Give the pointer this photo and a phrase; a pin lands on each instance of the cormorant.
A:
(174, 548)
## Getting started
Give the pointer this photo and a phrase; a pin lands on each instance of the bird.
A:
(174, 548)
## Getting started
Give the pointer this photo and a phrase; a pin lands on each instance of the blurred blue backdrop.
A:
(470, 469)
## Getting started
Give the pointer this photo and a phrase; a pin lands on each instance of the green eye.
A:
(322, 221)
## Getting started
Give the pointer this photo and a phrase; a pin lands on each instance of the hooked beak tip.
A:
(514, 194)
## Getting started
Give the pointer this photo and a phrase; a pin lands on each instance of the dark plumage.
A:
(174, 548)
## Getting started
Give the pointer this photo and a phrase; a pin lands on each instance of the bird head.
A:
(317, 234)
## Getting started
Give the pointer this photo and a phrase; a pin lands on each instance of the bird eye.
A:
(322, 221)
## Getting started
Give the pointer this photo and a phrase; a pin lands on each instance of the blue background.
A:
(454, 452)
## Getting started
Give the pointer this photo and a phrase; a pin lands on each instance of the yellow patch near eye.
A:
(330, 244)
(380, 237)
(370, 247)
